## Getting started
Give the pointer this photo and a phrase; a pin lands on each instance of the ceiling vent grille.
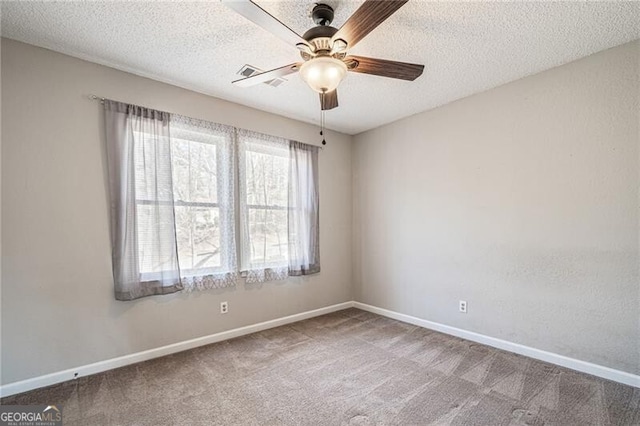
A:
(249, 70)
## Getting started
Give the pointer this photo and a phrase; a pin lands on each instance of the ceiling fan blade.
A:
(264, 19)
(329, 100)
(384, 68)
(364, 20)
(267, 75)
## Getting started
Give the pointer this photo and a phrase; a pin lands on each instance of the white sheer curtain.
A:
(204, 191)
(304, 210)
(144, 247)
(263, 164)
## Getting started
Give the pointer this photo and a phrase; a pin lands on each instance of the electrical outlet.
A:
(462, 306)
(224, 307)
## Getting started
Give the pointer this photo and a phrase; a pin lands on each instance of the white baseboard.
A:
(561, 360)
(98, 367)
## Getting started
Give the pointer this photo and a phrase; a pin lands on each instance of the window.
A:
(197, 211)
(180, 189)
(264, 184)
(203, 191)
(203, 203)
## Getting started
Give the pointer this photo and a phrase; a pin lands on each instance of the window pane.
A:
(195, 171)
(266, 179)
(268, 236)
(198, 233)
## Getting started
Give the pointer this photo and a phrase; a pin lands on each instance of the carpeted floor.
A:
(346, 368)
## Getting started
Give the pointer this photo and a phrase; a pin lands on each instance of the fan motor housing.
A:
(321, 31)
(319, 37)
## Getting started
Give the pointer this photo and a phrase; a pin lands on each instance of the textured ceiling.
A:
(467, 47)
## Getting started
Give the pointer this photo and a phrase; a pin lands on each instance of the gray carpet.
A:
(346, 368)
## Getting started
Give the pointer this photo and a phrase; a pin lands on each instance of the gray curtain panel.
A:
(143, 234)
(304, 210)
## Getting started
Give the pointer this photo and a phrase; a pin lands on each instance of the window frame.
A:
(182, 135)
(245, 252)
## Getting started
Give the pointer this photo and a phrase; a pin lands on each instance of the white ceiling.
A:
(467, 47)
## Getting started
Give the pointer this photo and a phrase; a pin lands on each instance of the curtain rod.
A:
(101, 99)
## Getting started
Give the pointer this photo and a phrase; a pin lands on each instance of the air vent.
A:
(275, 82)
(249, 70)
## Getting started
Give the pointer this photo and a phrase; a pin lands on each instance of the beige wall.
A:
(58, 309)
(523, 201)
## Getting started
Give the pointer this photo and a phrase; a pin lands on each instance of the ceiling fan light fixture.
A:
(323, 73)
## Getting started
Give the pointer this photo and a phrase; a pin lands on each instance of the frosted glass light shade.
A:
(324, 73)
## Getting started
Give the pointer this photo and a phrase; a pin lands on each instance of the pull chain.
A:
(324, 142)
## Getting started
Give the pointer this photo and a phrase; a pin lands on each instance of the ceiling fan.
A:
(323, 48)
